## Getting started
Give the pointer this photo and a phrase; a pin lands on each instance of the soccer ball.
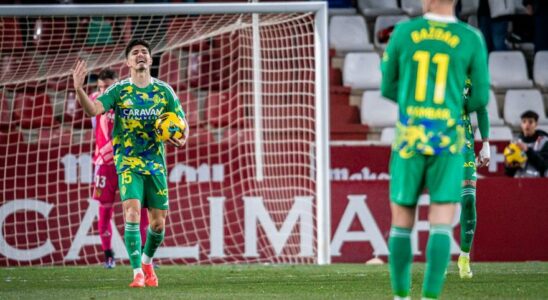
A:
(513, 154)
(169, 125)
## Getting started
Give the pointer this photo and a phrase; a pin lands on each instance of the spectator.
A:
(534, 143)
(493, 19)
(539, 10)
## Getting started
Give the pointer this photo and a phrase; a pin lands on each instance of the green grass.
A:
(338, 281)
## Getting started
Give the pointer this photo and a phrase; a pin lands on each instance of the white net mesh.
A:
(219, 211)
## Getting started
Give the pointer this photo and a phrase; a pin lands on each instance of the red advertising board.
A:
(46, 217)
(370, 162)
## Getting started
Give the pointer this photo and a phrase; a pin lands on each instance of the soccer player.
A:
(424, 69)
(138, 156)
(106, 179)
(468, 196)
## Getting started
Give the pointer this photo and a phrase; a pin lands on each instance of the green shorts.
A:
(441, 174)
(470, 165)
(150, 190)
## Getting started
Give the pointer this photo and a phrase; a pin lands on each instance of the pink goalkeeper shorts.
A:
(106, 184)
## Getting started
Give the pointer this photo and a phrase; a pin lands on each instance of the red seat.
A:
(189, 102)
(33, 110)
(235, 136)
(10, 137)
(52, 35)
(199, 136)
(223, 109)
(121, 69)
(213, 70)
(60, 84)
(54, 136)
(5, 114)
(185, 28)
(18, 68)
(170, 70)
(73, 113)
(10, 35)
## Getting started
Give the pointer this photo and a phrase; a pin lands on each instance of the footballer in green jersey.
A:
(138, 155)
(424, 68)
(468, 196)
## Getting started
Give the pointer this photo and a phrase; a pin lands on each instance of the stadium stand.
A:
(493, 110)
(496, 133)
(518, 101)
(10, 138)
(73, 112)
(191, 105)
(362, 71)
(373, 8)
(221, 109)
(349, 33)
(33, 110)
(53, 136)
(468, 7)
(341, 7)
(412, 8)
(473, 20)
(52, 35)
(508, 70)
(11, 40)
(170, 70)
(387, 135)
(5, 114)
(540, 70)
(377, 111)
(385, 22)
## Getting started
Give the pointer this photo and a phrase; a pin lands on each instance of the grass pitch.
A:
(337, 281)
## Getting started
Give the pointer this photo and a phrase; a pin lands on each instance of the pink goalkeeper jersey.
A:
(103, 136)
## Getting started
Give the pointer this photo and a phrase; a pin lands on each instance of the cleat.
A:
(150, 275)
(464, 267)
(110, 263)
(138, 281)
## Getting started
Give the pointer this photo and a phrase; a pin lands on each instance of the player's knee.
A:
(157, 225)
(132, 215)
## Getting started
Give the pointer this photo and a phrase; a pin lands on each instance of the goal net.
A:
(249, 186)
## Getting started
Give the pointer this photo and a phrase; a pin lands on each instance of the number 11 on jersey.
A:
(423, 60)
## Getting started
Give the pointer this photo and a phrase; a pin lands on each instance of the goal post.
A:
(252, 183)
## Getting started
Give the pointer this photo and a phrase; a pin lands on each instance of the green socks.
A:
(400, 259)
(132, 237)
(437, 258)
(154, 239)
(467, 218)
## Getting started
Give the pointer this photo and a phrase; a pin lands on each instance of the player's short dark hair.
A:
(107, 74)
(530, 115)
(136, 42)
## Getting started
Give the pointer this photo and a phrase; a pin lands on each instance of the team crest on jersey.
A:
(98, 192)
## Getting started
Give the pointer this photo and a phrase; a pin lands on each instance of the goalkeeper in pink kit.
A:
(106, 178)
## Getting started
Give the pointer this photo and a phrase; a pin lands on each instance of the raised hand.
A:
(79, 74)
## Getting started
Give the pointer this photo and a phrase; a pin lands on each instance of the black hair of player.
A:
(136, 42)
(530, 115)
(107, 74)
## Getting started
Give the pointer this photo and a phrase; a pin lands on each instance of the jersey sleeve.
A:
(108, 98)
(389, 68)
(173, 103)
(479, 76)
(483, 122)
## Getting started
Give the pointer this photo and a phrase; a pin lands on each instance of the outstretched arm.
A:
(92, 108)
(483, 124)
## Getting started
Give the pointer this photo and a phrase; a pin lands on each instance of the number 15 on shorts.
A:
(126, 177)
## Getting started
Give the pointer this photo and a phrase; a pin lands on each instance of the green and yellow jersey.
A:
(424, 68)
(134, 141)
(483, 120)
